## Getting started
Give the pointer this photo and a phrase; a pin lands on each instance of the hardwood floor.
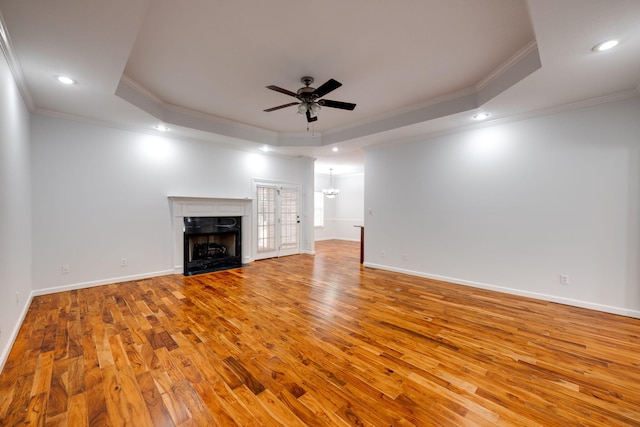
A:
(318, 341)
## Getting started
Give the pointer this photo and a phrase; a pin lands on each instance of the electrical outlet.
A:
(564, 279)
(65, 269)
(404, 257)
(383, 254)
(17, 297)
(123, 262)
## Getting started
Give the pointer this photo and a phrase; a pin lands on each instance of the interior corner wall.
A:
(345, 211)
(514, 206)
(100, 195)
(15, 210)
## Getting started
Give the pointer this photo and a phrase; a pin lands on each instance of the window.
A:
(318, 209)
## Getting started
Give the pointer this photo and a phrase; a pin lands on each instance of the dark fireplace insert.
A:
(212, 244)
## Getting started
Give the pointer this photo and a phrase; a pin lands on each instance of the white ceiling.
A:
(413, 67)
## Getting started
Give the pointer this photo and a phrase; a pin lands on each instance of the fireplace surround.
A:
(219, 230)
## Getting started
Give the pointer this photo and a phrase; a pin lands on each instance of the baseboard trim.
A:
(545, 297)
(14, 332)
(83, 285)
(322, 239)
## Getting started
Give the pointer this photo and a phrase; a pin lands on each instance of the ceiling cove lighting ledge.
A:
(519, 66)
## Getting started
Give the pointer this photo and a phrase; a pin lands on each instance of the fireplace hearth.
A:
(212, 244)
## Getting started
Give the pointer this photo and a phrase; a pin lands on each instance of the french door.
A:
(278, 220)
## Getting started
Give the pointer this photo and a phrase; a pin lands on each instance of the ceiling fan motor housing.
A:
(306, 94)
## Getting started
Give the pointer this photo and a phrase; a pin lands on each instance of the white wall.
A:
(345, 210)
(512, 206)
(100, 194)
(15, 210)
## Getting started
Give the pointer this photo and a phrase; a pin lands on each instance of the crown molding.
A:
(128, 81)
(520, 55)
(14, 66)
(619, 96)
(556, 109)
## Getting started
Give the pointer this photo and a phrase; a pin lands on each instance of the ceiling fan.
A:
(309, 98)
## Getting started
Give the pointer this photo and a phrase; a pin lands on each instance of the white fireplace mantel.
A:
(183, 206)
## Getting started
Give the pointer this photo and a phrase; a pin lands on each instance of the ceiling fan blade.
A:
(311, 119)
(280, 106)
(325, 88)
(337, 104)
(281, 90)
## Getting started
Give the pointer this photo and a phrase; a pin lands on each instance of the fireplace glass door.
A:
(278, 218)
(212, 244)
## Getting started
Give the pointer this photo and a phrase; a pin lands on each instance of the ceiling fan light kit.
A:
(309, 98)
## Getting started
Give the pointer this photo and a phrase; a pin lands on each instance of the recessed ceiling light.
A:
(481, 116)
(265, 148)
(605, 45)
(161, 128)
(65, 80)
(334, 149)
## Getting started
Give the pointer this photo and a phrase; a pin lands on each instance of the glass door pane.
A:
(267, 219)
(289, 217)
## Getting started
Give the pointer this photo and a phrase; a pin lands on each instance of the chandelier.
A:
(330, 192)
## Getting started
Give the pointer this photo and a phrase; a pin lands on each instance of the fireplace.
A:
(212, 244)
(183, 207)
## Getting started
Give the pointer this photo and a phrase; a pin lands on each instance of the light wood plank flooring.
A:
(317, 341)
